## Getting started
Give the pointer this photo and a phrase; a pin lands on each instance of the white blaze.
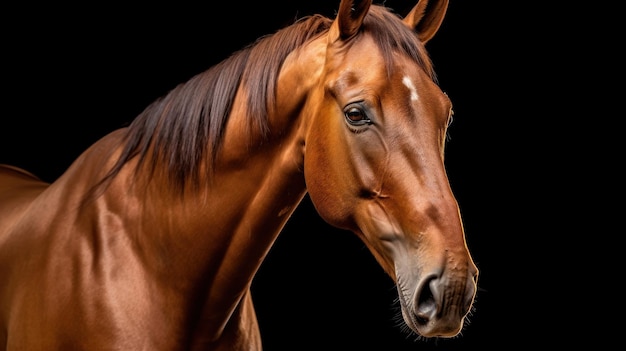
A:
(409, 84)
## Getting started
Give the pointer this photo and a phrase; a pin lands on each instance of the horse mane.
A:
(187, 125)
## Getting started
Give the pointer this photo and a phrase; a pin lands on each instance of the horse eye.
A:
(356, 116)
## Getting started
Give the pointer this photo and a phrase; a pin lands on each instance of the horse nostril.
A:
(441, 302)
(426, 307)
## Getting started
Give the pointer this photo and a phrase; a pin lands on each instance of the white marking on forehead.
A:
(409, 84)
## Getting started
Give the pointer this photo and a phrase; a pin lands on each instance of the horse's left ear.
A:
(426, 17)
(349, 19)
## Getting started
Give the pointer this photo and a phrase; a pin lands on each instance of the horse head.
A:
(374, 159)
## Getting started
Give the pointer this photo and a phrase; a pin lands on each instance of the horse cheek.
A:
(326, 184)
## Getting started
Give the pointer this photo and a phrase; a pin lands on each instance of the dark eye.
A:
(356, 116)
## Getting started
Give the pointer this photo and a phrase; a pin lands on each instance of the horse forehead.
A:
(364, 72)
(363, 62)
(357, 50)
(357, 65)
(408, 82)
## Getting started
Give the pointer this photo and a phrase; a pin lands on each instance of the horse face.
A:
(374, 165)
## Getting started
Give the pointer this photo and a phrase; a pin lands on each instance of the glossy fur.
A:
(151, 238)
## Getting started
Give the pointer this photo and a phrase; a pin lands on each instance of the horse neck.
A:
(228, 221)
(219, 231)
(211, 240)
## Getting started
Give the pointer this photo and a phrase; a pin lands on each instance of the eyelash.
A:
(355, 110)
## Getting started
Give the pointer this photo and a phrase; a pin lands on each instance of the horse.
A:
(151, 238)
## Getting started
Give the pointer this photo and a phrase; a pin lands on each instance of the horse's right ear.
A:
(426, 17)
(349, 19)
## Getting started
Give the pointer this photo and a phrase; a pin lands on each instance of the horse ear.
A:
(426, 17)
(349, 18)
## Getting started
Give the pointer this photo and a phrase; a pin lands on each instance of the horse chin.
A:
(431, 328)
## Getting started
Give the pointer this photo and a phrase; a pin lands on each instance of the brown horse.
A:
(151, 238)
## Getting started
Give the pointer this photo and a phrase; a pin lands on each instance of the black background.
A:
(71, 75)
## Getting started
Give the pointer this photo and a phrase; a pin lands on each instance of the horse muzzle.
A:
(440, 303)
